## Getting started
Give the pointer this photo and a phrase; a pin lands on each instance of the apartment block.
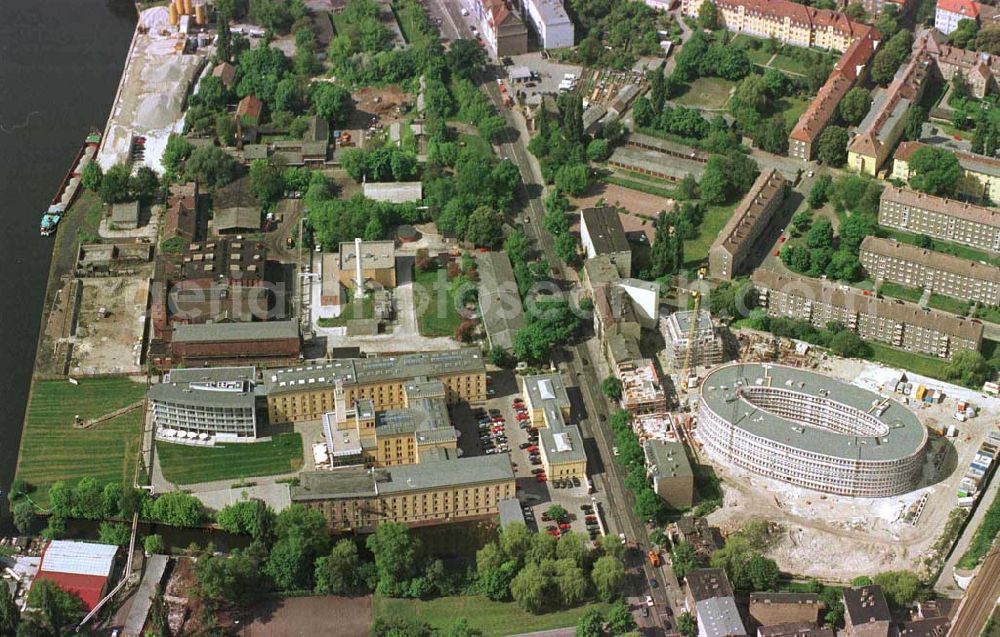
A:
(729, 254)
(940, 218)
(769, 609)
(980, 69)
(602, 234)
(897, 323)
(905, 264)
(441, 491)
(668, 466)
(881, 129)
(710, 599)
(948, 13)
(982, 173)
(788, 22)
(551, 23)
(306, 393)
(560, 444)
(866, 612)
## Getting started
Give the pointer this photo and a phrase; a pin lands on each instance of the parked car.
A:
(532, 448)
(537, 471)
(524, 445)
(576, 481)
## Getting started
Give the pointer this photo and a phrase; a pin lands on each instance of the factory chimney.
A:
(359, 290)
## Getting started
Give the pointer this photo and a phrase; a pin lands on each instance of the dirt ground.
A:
(837, 538)
(308, 616)
(377, 101)
(110, 344)
(632, 200)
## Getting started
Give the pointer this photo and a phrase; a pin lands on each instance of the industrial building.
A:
(602, 234)
(711, 600)
(551, 23)
(704, 342)
(80, 568)
(205, 405)
(561, 445)
(668, 466)
(499, 299)
(360, 434)
(376, 266)
(731, 251)
(905, 264)
(435, 492)
(810, 430)
(309, 391)
(234, 343)
(900, 324)
(181, 216)
(940, 218)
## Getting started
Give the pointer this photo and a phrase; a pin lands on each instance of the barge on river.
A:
(70, 186)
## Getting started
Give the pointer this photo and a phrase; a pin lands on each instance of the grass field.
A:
(897, 291)
(354, 309)
(989, 314)
(641, 186)
(491, 618)
(437, 314)
(942, 246)
(918, 363)
(792, 108)
(475, 140)
(948, 304)
(183, 464)
(696, 250)
(52, 450)
(706, 92)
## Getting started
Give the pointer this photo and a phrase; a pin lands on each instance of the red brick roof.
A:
(250, 106)
(967, 8)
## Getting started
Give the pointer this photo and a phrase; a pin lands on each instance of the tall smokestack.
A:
(358, 281)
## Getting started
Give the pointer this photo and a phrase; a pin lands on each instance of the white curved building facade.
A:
(810, 430)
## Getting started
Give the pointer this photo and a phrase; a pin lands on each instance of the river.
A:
(60, 62)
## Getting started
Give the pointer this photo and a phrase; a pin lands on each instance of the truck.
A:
(654, 558)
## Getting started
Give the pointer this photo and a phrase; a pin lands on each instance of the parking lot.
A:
(501, 427)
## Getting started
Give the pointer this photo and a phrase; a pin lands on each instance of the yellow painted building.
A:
(306, 393)
(438, 492)
(981, 174)
(560, 445)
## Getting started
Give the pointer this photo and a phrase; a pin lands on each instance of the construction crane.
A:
(692, 333)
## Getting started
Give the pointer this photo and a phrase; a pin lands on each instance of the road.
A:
(980, 599)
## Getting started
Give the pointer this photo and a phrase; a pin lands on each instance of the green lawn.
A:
(437, 311)
(475, 140)
(917, 363)
(989, 314)
(355, 309)
(489, 617)
(696, 250)
(633, 184)
(52, 450)
(184, 464)
(949, 304)
(408, 16)
(789, 64)
(706, 92)
(943, 246)
(897, 291)
(791, 108)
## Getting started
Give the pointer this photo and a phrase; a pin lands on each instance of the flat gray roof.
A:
(545, 387)
(351, 371)
(667, 459)
(656, 162)
(564, 445)
(394, 191)
(207, 387)
(222, 332)
(510, 511)
(906, 434)
(719, 617)
(499, 299)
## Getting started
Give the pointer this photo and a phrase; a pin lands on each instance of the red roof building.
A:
(81, 568)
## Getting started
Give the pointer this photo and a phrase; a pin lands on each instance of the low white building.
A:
(549, 18)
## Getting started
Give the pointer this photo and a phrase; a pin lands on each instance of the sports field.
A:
(52, 450)
(184, 464)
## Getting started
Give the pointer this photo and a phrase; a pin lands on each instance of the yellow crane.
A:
(692, 333)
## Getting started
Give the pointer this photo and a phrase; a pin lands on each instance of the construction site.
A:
(835, 538)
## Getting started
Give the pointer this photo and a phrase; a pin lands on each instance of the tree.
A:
(395, 552)
(23, 513)
(337, 573)
(91, 177)
(819, 194)
(153, 544)
(608, 576)
(267, 181)
(901, 588)
(530, 588)
(855, 105)
(820, 235)
(964, 35)
(844, 266)
(114, 186)
(862, 580)
(558, 513)
(465, 58)
(888, 21)
(890, 56)
(114, 533)
(968, 367)
(598, 149)
(686, 625)
(485, 227)
(460, 628)
(177, 151)
(59, 608)
(771, 135)
(988, 39)
(10, 615)
(761, 573)
(211, 166)
(590, 624)
(612, 388)
(915, 119)
(175, 508)
(684, 559)
(708, 15)
(250, 517)
(570, 581)
(935, 171)
(573, 179)
(620, 619)
(832, 149)
(856, 12)
(236, 579)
